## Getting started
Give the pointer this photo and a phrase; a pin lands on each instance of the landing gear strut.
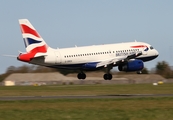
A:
(108, 76)
(81, 75)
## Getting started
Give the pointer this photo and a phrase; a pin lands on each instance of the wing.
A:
(117, 61)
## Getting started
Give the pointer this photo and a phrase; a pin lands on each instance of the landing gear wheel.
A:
(107, 76)
(81, 76)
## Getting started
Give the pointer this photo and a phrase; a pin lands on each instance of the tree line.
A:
(162, 68)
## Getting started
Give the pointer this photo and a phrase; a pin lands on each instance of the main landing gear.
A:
(81, 75)
(107, 76)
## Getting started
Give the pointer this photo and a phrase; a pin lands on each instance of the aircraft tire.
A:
(81, 76)
(107, 76)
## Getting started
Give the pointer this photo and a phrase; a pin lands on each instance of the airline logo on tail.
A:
(34, 43)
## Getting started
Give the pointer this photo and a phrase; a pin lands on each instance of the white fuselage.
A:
(76, 56)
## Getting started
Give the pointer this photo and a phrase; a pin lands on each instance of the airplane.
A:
(128, 57)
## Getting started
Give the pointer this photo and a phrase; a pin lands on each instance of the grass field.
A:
(88, 109)
(150, 108)
(86, 90)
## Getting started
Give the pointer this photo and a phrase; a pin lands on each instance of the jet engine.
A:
(134, 65)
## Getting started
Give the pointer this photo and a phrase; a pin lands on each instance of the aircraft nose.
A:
(156, 53)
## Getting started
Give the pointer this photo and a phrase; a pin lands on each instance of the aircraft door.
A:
(58, 57)
(145, 50)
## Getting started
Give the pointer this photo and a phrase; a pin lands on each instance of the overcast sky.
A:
(66, 23)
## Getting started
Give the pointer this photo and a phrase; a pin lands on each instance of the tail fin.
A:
(33, 41)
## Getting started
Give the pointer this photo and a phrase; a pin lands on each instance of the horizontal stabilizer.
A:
(10, 55)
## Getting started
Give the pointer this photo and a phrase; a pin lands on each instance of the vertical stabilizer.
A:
(32, 40)
(34, 43)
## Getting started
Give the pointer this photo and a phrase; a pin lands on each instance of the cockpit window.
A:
(151, 47)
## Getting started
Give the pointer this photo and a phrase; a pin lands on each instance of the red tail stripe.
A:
(28, 56)
(26, 29)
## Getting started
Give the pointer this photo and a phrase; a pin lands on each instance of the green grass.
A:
(88, 109)
(147, 108)
(86, 90)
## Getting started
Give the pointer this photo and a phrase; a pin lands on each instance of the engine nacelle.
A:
(135, 65)
(90, 65)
